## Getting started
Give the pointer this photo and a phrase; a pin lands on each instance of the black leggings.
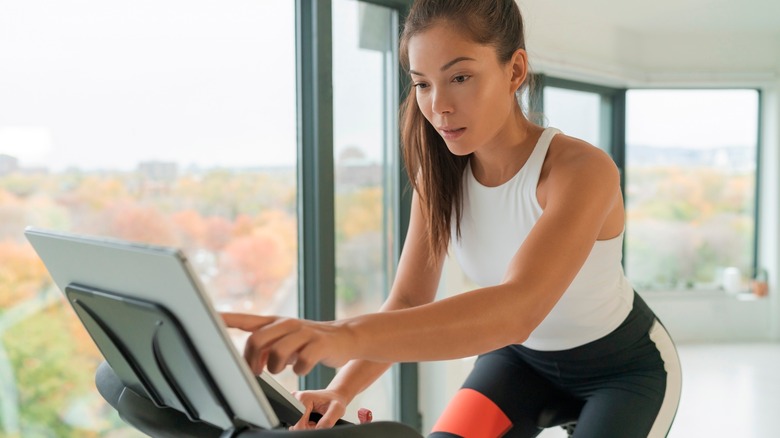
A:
(628, 381)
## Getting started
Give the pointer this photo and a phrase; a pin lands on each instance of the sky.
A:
(94, 83)
(691, 119)
(694, 118)
(98, 84)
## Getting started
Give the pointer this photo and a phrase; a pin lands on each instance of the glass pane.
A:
(690, 186)
(147, 121)
(580, 114)
(365, 148)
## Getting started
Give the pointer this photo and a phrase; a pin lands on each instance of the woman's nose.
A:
(441, 103)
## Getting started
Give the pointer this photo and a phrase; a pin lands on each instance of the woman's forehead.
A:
(435, 47)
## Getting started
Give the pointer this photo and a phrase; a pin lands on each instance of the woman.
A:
(534, 217)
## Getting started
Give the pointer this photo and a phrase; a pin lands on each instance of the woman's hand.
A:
(276, 342)
(330, 404)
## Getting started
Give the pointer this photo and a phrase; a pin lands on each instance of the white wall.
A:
(583, 43)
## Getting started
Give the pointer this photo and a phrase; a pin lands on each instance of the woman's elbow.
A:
(515, 332)
(522, 335)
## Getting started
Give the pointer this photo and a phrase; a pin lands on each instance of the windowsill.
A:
(672, 295)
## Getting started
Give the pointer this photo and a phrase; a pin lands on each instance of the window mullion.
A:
(316, 227)
(618, 147)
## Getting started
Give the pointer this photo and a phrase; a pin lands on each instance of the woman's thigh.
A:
(617, 413)
(639, 402)
(502, 397)
(630, 381)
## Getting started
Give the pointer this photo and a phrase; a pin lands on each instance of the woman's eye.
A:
(460, 78)
(421, 85)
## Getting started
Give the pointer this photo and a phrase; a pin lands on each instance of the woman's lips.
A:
(451, 134)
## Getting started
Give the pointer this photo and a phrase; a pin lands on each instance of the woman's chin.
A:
(461, 153)
(459, 149)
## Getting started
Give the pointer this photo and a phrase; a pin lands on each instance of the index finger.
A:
(303, 423)
(329, 418)
(245, 321)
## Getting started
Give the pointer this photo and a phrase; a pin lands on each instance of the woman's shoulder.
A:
(568, 150)
(573, 157)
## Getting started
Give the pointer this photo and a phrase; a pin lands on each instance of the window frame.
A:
(617, 149)
(616, 120)
(754, 266)
(316, 186)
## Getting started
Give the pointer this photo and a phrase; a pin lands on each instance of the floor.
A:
(728, 391)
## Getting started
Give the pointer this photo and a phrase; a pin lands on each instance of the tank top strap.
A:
(533, 167)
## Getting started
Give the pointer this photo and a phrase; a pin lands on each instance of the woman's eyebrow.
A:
(447, 65)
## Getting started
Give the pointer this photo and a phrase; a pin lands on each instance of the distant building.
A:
(355, 176)
(354, 170)
(727, 158)
(164, 172)
(157, 177)
(34, 170)
(8, 164)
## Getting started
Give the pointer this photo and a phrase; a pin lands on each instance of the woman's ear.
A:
(519, 65)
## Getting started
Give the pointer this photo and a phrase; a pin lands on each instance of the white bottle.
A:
(732, 280)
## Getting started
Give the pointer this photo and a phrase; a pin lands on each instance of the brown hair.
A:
(434, 172)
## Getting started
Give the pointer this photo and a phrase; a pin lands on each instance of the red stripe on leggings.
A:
(472, 415)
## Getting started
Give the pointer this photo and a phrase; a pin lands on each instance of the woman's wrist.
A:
(343, 391)
(354, 378)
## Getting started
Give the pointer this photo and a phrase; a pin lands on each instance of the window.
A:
(365, 104)
(155, 122)
(688, 160)
(690, 186)
(166, 125)
(581, 114)
(583, 110)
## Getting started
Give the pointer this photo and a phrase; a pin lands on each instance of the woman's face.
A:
(461, 87)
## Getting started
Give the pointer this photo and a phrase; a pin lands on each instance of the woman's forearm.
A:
(464, 325)
(357, 375)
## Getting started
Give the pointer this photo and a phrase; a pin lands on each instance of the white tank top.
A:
(496, 221)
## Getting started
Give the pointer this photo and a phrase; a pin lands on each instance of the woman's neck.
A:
(500, 159)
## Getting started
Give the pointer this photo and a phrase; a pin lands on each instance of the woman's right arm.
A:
(415, 283)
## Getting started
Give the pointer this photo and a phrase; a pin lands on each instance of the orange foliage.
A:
(7, 197)
(360, 212)
(260, 259)
(191, 226)
(282, 224)
(243, 225)
(97, 192)
(22, 274)
(12, 215)
(218, 233)
(140, 224)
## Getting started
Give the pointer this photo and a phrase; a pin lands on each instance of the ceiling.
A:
(642, 42)
(674, 16)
